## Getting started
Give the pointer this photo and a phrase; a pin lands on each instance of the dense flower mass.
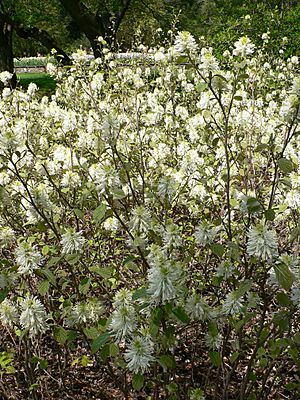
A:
(149, 216)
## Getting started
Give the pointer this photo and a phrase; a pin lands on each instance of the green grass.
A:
(45, 83)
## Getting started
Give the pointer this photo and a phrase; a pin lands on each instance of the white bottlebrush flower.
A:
(165, 281)
(206, 233)
(70, 179)
(196, 307)
(213, 341)
(208, 61)
(123, 321)
(122, 298)
(72, 241)
(225, 269)
(84, 312)
(243, 47)
(33, 316)
(262, 243)
(8, 313)
(172, 236)
(7, 235)
(232, 305)
(138, 354)
(185, 43)
(140, 219)
(27, 258)
(167, 187)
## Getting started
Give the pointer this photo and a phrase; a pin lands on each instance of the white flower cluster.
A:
(72, 241)
(262, 243)
(27, 258)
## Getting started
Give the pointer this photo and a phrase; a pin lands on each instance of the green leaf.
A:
(3, 294)
(113, 349)
(167, 361)
(243, 288)
(104, 272)
(181, 315)
(137, 382)
(270, 214)
(79, 214)
(45, 250)
(213, 328)
(84, 285)
(118, 194)
(99, 213)
(105, 352)
(99, 342)
(49, 275)
(140, 294)
(43, 364)
(72, 259)
(285, 165)
(215, 358)
(284, 276)
(60, 334)
(157, 316)
(91, 332)
(53, 261)
(43, 287)
(253, 205)
(217, 249)
(283, 299)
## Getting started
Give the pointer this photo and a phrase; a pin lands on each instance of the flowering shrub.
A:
(150, 216)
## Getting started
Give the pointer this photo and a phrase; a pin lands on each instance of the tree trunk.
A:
(44, 38)
(104, 23)
(6, 49)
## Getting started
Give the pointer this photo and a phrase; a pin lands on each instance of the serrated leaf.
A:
(79, 213)
(49, 275)
(270, 214)
(215, 358)
(105, 352)
(253, 205)
(285, 165)
(60, 334)
(53, 261)
(181, 315)
(213, 328)
(72, 259)
(167, 361)
(45, 250)
(99, 213)
(43, 364)
(91, 332)
(243, 288)
(43, 287)
(217, 249)
(3, 294)
(113, 349)
(140, 294)
(99, 342)
(104, 272)
(137, 382)
(284, 275)
(118, 194)
(84, 285)
(283, 299)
